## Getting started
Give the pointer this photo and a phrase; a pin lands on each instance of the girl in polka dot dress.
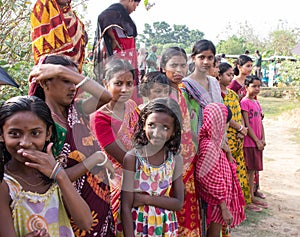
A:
(153, 189)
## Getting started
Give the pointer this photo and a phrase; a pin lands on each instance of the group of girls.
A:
(160, 168)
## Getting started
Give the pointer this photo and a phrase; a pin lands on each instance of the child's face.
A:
(176, 69)
(121, 86)
(204, 61)
(226, 77)
(246, 69)
(159, 127)
(254, 88)
(158, 90)
(24, 130)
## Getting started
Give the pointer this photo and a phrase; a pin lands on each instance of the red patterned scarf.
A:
(56, 31)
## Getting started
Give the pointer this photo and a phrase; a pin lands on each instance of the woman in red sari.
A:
(114, 122)
(219, 186)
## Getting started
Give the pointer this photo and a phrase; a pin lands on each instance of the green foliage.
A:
(289, 71)
(15, 45)
(282, 42)
(162, 34)
(233, 45)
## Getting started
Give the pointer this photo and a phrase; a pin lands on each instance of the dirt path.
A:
(280, 181)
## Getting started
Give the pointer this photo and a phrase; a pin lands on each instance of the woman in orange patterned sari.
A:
(56, 29)
(114, 123)
(174, 64)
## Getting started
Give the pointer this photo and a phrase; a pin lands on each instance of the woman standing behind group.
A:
(114, 122)
(174, 64)
(56, 82)
(55, 28)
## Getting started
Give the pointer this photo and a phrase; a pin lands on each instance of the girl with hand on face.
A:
(174, 65)
(114, 122)
(151, 170)
(36, 197)
(57, 81)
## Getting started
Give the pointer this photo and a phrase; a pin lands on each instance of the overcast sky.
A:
(210, 17)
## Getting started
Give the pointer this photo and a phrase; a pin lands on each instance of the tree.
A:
(162, 34)
(234, 45)
(282, 42)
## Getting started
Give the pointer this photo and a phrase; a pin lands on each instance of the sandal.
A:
(259, 194)
(253, 207)
(259, 203)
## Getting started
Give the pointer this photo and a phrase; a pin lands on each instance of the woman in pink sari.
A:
(114, 122)
(219, 186)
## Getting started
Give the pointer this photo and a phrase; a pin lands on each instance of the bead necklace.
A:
(26, 182)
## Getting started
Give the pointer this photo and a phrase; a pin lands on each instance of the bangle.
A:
(56, 173)
(54, 170)
(82, 82)
(241, 128)
(105, 160)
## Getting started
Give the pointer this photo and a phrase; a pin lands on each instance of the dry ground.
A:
(280, 181)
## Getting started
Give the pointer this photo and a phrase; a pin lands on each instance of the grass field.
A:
(273, 107)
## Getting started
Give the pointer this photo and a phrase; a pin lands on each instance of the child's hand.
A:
(43, 162)
(227, 217)
(140, 199)
(260, 145)
(38, 233)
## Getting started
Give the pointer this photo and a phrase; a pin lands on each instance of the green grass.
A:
(273, 107)
(253, 218)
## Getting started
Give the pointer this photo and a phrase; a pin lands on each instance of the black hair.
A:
(149, 79)
(203, 45)
(164, 105)
(115, 65)
(170, 53)
(229, 114)
(53, 59)
(22, 104)
(243, 59)
(223, 67)
(250, 79)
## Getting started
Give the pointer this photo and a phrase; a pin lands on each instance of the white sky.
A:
(212, 16)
